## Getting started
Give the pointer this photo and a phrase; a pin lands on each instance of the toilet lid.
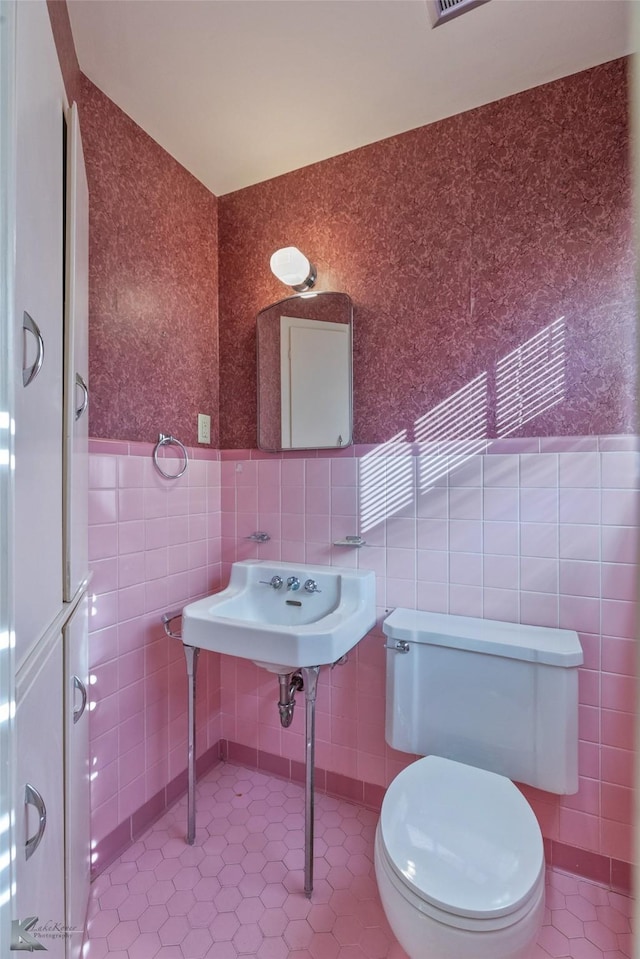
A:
(464, 839)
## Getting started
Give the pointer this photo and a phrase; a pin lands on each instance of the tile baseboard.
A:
(114, 844)
(613, 873)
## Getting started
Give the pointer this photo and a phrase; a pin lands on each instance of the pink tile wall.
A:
(154, 545)
(545, 537)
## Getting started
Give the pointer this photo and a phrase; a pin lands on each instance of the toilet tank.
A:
(496, 695)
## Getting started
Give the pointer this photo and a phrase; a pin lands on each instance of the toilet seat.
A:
(461, 844)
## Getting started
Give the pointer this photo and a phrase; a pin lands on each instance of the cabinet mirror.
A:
(305, 372)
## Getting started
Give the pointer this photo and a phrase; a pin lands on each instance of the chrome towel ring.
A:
(166, 439)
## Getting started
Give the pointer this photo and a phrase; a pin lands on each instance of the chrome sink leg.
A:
(191, 654)
(310, 678)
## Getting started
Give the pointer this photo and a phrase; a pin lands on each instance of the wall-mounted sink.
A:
(284, 615)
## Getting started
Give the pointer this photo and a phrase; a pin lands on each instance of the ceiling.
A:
(239, 91)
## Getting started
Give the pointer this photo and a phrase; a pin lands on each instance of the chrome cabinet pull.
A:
(85, 396)
(29, 373)
(33, 798)
(78, 711)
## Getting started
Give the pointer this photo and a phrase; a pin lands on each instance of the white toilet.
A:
(458, 852)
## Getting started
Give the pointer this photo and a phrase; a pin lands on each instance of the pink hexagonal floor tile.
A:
(625, 944)
(623, 904)
(230, 875)
(180, 902)
(113, 897)
(102, 923)
(375, 943)
(201, 915)
(251, 884)
(554, 898)
(298, 934)
(324, 945)
(593, 893)
(167, 869)
(133, 906)
(274, 894)
(321, 917)
(152, 918)
(583, 949)
(613, 919)
(554, 942)
(567, 923)
(146, 946)
(348, 930)
(601, 936)
(228, 899)
(250, 910)
(273, 922)
(140, 883)
(197, 943)
(173, 931)
(248, 939)
(224, 926)
(239, 891)
(581, 907)
(123, 935)
(160, 892)
(273, 948)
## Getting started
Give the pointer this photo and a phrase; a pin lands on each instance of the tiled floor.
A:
(239, 890)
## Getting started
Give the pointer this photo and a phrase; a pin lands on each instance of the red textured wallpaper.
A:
(153, 273)
(153, 283)
(459, 243)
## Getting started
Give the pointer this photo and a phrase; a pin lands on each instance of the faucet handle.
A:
(275, 582)
(311, 586)
(293, 583)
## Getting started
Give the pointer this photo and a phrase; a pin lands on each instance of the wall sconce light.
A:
(293, 268)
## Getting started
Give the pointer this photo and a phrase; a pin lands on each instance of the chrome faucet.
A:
(311, 586)
(293, 583)
(275, 582)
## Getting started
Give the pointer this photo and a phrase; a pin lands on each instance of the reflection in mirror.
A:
(304, 372)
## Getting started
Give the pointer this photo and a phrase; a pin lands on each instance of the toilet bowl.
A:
(458, 853)
(459, 863)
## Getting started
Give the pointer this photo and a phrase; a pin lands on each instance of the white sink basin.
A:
(284, 629)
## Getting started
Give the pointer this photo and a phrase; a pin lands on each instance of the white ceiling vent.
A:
(443, 10)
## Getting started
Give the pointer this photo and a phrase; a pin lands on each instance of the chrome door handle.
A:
(29, 373)
(78, 711)
(85, 396)
(33, 798)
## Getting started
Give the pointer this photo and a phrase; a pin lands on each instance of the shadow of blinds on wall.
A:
(531, 378)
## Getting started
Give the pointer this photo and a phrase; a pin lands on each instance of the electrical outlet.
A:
(204, 428)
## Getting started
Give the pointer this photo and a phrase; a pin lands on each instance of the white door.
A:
(38, 321)
(76, 363)
(315, 375)
(39, 827)
(77, 784)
